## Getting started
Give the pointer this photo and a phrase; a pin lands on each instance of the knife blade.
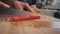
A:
(12, 12)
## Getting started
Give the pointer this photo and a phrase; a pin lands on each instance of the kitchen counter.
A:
(38, 26)
(50, 18)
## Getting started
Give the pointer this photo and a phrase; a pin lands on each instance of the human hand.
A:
(23, 6)
(2, 4)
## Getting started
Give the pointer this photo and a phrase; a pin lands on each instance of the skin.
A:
(17, 4)
(2, 4)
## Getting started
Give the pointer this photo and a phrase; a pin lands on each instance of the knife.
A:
(12, 12)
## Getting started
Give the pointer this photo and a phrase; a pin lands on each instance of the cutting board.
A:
(38, 26)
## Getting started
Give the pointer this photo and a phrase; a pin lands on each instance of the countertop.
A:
(38, 26)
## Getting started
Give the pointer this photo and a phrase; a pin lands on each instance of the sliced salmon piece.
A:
(24, 17)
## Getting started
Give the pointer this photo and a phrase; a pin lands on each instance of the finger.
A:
(29, 8)
(4, 5)
(17, 6)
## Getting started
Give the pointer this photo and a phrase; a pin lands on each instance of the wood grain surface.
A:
(38, 26)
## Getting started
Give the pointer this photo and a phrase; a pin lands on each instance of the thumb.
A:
(4, 5)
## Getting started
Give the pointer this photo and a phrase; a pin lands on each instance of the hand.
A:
(4, 5)
(23, 6)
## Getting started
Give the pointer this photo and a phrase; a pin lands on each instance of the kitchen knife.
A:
(12, 12)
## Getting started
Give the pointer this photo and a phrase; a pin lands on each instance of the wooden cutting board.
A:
(38, 26)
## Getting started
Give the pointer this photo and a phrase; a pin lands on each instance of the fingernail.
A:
(7, 6)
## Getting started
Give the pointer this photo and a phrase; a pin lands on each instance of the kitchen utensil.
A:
(17, 15)
(12, 12)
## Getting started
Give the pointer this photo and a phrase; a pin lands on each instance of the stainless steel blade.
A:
(12, 12)
(5, 13)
